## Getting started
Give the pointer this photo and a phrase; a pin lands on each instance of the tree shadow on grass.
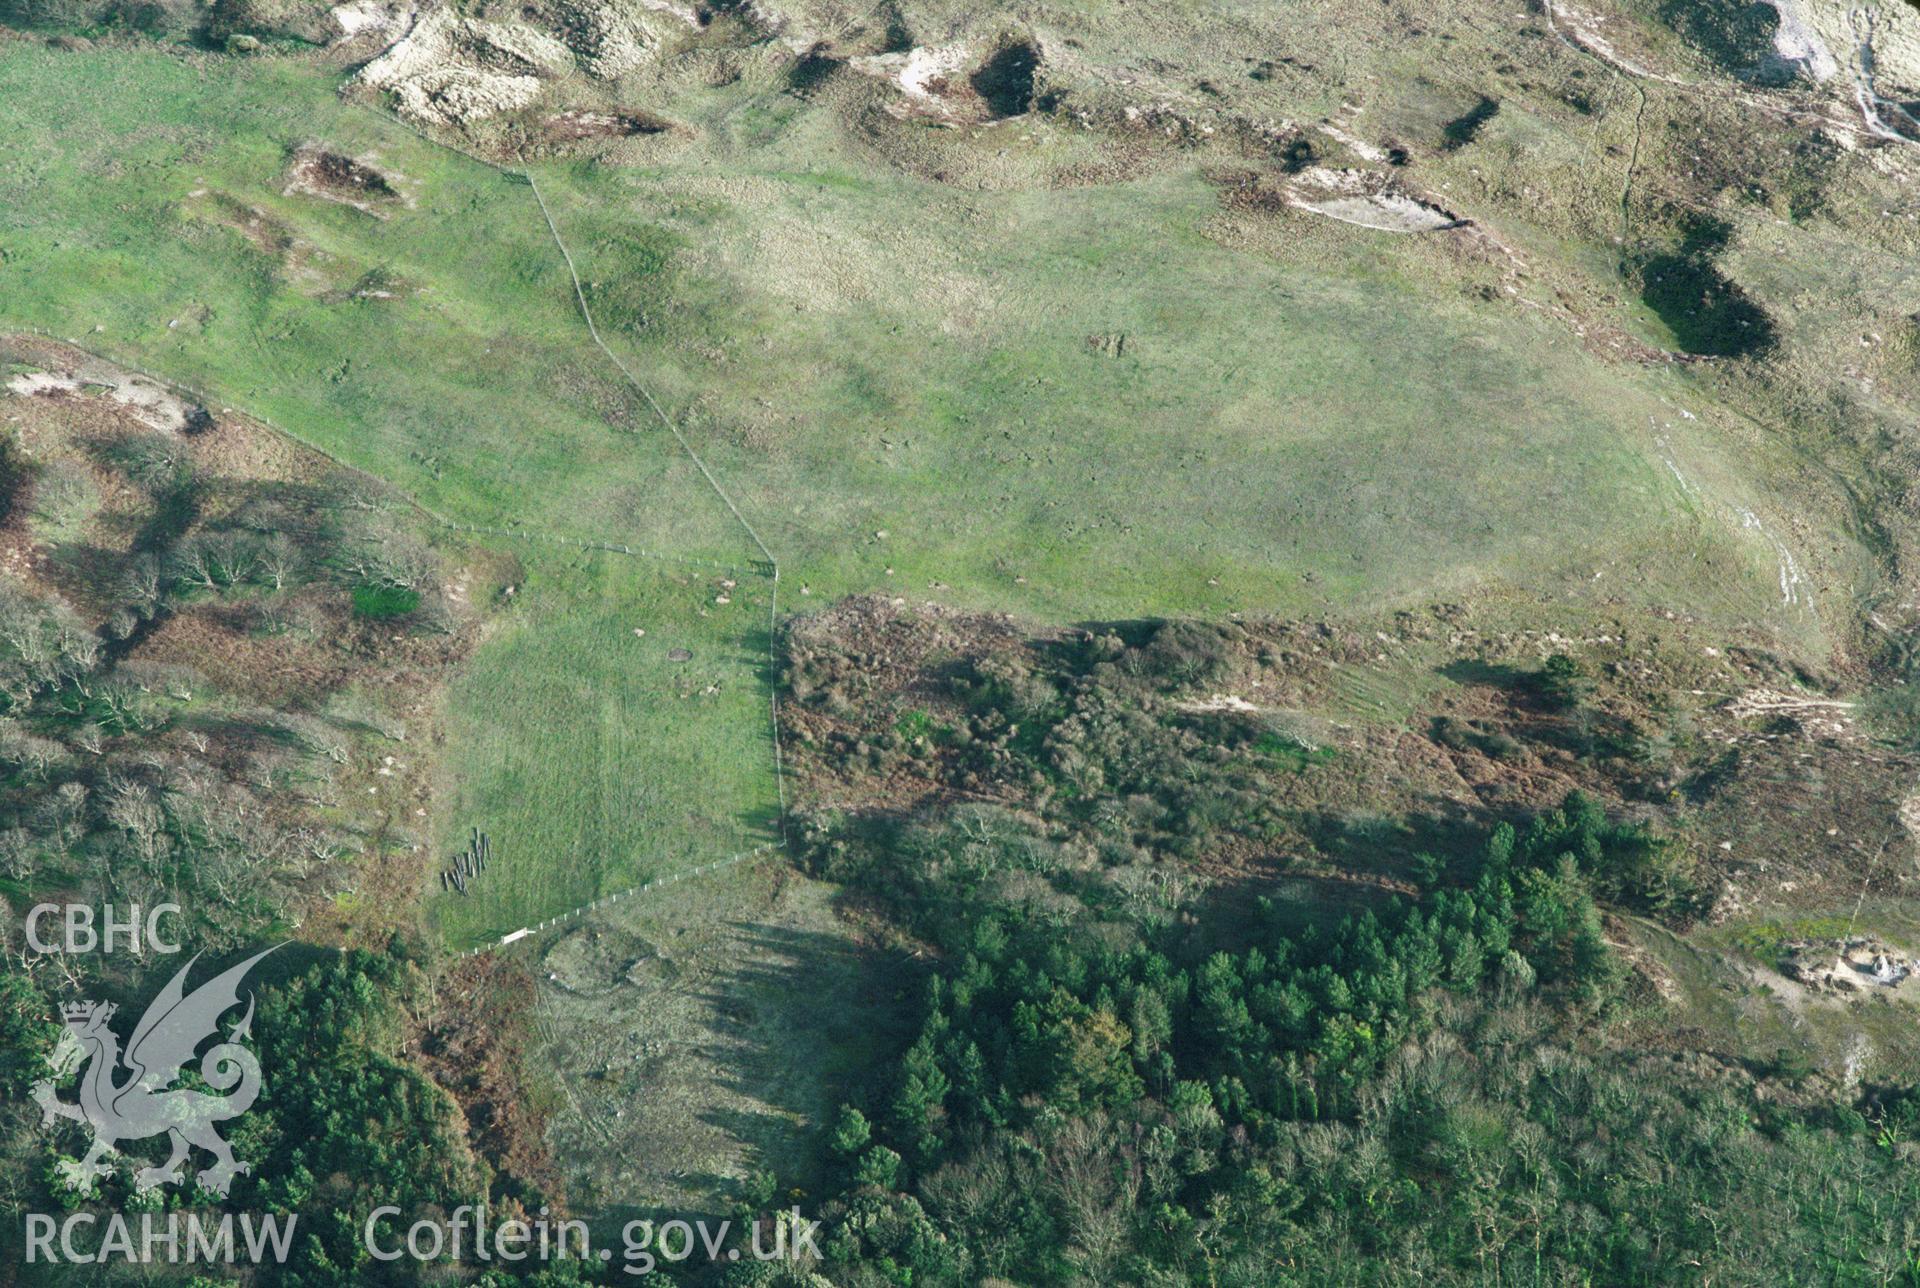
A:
(798, 1022)
(1483, 674)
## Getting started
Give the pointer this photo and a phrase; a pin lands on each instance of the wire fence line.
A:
(594, 905)
(773, 700)
(208, 399)
(522, 174)
(586, 313)
(772, 562)
(770, 568)
(586, 543)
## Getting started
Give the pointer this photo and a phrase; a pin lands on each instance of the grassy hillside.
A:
(593, 756)
(862, 352)
(1105, 398)
(433, 342)
(867, 352)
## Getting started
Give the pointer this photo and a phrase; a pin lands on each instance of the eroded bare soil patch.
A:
(624, 123)
(332, 176)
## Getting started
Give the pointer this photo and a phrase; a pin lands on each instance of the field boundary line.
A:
(208, 398)
(773, 562)
(525, 175)
(593, 905)
(586, 314)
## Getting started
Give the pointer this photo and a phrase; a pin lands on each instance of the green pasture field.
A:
(908, 387)
(859, 351)
(145, 195)
(592, 758)
(863, 352)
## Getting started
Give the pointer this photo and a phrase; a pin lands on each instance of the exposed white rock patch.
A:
(1796, 43)
(1360, 197)
(149, 403)
(30, 383)
(928, 76)
(684, 12)
(451, 69)
(368, 17)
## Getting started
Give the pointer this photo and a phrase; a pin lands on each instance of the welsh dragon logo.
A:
(144, 1102)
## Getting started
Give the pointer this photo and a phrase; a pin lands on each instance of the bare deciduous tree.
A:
(234, 556)
(19, 855)
(190, 562)
(279, 560)
(142, 583)
(131, 807)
